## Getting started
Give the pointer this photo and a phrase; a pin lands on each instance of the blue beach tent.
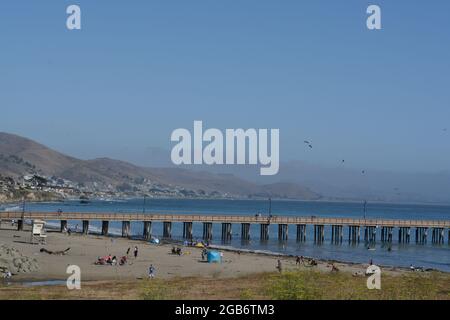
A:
(154, 240)
(214, 257)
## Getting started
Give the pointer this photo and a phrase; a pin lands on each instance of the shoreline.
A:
(55, 229)
(85, 250)
(268, 253)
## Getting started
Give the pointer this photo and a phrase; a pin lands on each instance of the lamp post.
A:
(365, 206)
(143, 208)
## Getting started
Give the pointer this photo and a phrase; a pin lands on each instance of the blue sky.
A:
(140, 69)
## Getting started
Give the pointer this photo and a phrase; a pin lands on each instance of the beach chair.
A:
(38, 233)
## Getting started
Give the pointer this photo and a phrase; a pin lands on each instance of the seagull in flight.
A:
(308, 143)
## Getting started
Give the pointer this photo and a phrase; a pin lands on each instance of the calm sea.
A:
(428, 255)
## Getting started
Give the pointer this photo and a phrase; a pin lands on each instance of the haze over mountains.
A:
(20, 156)
(341, 182)
(296, 179)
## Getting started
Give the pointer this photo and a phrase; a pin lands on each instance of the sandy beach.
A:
(85, 250)
(241, 275)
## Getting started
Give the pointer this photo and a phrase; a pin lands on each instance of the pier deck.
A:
(354, 225)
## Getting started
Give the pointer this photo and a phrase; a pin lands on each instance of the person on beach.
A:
(7, 275)
(334, 268)
(136, 251)
(151, 272)
(128, 252)
(123, 260)
(204, 253)
(279, 266)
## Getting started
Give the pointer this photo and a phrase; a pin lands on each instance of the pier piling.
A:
(126, 229)
(105, 228)
(147, 233)
(438, 236)
(264, 236)
(245, 231)
(421, 235)
(85, 227)
(354, 234)
(404, 234)
(319, 236)
(386, 234)
(336, 234)
(283, 232)
(370, 234)
(63, 225)
(207, 230)
(301, 232)
(226, 232)
(187, 230)
(167, 229)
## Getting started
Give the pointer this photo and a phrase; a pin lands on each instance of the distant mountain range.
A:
(343, 183)
(20, 156)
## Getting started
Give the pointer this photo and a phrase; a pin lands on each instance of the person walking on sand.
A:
(136, 252)
(151, 272)
(279, 266)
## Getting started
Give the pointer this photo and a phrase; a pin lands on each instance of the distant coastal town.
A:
(35, 187)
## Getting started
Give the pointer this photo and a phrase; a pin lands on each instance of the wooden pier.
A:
(370, 226)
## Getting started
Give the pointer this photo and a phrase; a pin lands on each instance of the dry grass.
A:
(344, 286)
(288, 286)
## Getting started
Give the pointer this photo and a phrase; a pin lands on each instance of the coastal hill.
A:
(21, 157)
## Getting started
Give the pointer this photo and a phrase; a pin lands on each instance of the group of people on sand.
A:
(113, 261)
(196, 243)
(300, 260)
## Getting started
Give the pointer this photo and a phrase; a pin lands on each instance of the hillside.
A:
(20, 156)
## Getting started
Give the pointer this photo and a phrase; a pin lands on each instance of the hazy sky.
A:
(140, 69)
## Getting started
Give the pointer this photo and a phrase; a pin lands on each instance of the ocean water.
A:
(427, 255)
